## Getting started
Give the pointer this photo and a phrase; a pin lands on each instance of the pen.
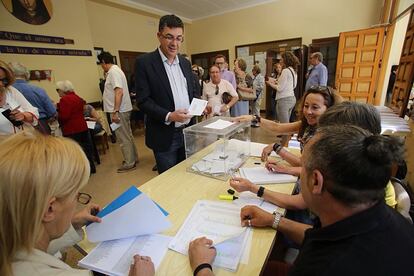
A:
(228, 197)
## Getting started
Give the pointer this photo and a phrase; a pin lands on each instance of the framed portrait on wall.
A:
(34, 12)
(98, 51)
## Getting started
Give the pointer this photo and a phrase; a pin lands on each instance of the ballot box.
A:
(217, 147)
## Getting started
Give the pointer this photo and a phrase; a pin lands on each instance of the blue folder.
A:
(123, 199)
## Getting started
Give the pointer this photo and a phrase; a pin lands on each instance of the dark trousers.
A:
(174, 155)
(85, 141)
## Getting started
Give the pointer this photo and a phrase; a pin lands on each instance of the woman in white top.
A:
(41, 177)
(213, 92)
(13, 104)
(284, 86)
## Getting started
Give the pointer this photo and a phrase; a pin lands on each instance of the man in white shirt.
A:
(116, 100)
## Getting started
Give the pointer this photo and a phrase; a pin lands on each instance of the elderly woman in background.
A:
(15, 109)
(70, 115)
(219, 93)
(41, 177)
(91, 115)
(244, 83)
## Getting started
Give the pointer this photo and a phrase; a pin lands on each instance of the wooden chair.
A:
(101, 141)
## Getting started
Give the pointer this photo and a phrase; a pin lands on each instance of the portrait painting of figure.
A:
(35, 12)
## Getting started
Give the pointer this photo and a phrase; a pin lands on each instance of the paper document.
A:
(197, 107)
(260, 175)
(219, 124)
(132, 214)
(218, 221)
(91, 124)
(115, 126)
(115, 257)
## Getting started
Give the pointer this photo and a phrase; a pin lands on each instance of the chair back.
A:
(402, 198)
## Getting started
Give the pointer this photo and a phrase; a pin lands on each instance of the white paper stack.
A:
(218, 162)
(220, 222)
(260, 175)
(115, 257)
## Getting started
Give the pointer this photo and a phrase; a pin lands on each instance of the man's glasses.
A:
(171, 38)
(84, 198)
(217, 89)
(5, 81)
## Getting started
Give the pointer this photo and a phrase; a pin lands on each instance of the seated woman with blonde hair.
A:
(41, 177)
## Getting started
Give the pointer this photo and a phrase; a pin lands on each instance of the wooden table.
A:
(177, 190)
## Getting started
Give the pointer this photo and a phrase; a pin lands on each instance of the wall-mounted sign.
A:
(34, 38)
(6, 49)
(35, 12)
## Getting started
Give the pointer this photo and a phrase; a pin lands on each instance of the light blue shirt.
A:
(178, 84)
(318, 76)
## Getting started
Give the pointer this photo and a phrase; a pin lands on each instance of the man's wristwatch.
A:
(277, 215)
(115, 111)
(277, 147)
(260, 192)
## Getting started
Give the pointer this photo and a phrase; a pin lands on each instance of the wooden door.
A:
(358, 64)
(205, 60)
(329, 49)
(405, 73)
(127, 59)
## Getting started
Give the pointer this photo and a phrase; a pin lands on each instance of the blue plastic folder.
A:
(123, 199)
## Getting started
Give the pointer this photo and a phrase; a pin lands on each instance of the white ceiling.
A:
(190, 10)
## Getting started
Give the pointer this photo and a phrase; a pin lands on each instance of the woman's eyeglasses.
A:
(84, 198)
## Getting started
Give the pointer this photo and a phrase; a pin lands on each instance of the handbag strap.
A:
(293, 76)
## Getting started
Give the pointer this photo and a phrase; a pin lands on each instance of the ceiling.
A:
(190, 10)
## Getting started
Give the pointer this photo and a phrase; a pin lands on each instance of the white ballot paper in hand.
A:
(220, 222)
(197, 107)
(140, 216)
(115, 126)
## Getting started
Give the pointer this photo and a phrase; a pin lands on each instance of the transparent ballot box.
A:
(217, 147)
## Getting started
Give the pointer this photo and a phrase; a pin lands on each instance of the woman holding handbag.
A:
(284, 86)
(244, 89)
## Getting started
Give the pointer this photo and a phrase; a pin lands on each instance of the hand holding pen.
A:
(254, 216)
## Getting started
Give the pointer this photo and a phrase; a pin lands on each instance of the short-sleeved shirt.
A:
(216, 101)
(116, 79)
(317, 76)
(377, 241)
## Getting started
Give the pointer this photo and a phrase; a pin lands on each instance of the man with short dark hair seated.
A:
(344, 173)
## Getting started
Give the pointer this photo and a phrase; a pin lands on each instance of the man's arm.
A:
(293, 230)
(142, 87)
(323, 76)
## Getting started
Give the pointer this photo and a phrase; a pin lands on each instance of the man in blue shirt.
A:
(318, 75)
(35, 95)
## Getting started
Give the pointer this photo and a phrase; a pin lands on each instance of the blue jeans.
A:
(174, 155)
